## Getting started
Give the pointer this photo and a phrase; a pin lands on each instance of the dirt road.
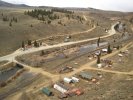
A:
(85, 17)
(20, 52)
(86, 66)
(54, 78)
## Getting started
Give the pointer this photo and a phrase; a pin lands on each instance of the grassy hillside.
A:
(12, 36)
(28, 27)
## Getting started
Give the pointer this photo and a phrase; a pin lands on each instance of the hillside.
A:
(21, 24)
(5, 4)
(55, 53)
(13, 33)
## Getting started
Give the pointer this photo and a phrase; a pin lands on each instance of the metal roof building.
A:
(47, 91)
(60, 87)
(86, 75)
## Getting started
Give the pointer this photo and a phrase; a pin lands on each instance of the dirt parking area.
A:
(123, 61)
(57, 60)
(108, 87)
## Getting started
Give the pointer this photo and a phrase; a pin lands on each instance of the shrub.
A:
(3, 84)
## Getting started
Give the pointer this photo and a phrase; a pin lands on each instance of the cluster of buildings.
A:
(65, 89)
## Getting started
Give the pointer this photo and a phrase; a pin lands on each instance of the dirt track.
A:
(88, 65)
(19, 52)
(55, 78)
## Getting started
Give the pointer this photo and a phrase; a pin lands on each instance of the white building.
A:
(59, 88)
(75, 79)
(104, 50)
(67, 80)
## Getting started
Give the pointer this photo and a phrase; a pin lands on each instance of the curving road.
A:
(74, 33)
(55, 78)
(19, 52)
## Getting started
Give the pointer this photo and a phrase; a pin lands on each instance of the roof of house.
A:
(63, 86)
(86, 75)
(46, 91)
(68, 80)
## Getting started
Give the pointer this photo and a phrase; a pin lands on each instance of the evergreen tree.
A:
(35, 44)
(5, 19)
(60, 22)
(118, 47)
(29, 42)
(98, 59)
(10, 24)
(40, 43)
(109, 49)
(42, 53)
(16, 20)
(97, 24)
(23, 44)
(98, 41)
(43, 19)
(49, 21)
(48, 13)
(31, 25)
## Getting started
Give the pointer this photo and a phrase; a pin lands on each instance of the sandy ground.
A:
(84, 67)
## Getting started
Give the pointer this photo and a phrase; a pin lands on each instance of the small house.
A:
(75, 91)
(74, 79)
(97, 53)
(105, 50)
(66, 40)
(66, 69)
(47, 91)
(60, 87)
(86, 76)
(99, 65)
(79, 92)
(120, 55)
(67, 80)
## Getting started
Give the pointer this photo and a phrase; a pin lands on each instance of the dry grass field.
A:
(42, 70)
(124, 63)
(26, 82)
(11, 37)
(109, 87)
